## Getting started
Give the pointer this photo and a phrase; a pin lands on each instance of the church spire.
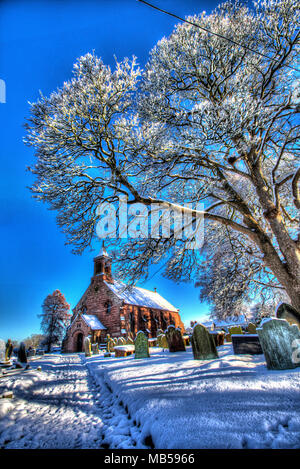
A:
(102, 264)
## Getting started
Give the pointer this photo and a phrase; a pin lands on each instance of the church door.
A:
(79, 342)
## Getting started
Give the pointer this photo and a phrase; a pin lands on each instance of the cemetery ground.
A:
(167, 401)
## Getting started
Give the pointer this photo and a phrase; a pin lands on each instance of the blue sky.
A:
(40, 41)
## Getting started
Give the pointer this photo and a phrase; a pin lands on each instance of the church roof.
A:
(140, 296)
(93, 322)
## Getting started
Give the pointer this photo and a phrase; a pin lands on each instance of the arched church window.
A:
(108, 307)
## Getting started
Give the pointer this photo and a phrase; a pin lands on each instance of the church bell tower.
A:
(102, 265)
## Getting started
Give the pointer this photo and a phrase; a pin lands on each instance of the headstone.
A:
(162, 341)
(235, 330)
(110, 344)
(2, 350)
(246, 344)
(218, 337)
(95, 349)
(8, 350)
(286, 311)
(228, 337)
(22, 357)
(87, 347)
(141, 346)
(203, 344)
(251, 328)
(175, 340)
(280, 342)
(31, 352)
(186, 339)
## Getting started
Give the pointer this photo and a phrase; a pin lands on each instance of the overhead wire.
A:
(216, 34)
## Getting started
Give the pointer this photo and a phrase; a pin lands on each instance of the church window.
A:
(108, 307)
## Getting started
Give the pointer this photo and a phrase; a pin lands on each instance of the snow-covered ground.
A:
(53, 408)
(166, 401)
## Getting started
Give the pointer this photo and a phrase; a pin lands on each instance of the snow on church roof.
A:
(93, 322)
(140, 296)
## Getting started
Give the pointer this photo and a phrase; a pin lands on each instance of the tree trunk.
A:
(290, 283)
(287, 271)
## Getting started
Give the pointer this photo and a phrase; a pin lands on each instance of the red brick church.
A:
(110, 307)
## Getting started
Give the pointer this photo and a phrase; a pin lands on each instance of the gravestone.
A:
(141, 346)
(246, 344)
(228, 338)
(8, 350)
(87, 347)
(251, 328)
(2, 350)
(110, 344)
(22, 357)
(218, 337)
(95, 349)
(235, 330)
(280, 342)
(159, 339)
(203, 344)
(286, 311)
(162, 341)
(175, 340)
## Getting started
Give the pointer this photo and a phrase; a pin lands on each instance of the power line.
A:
(215, 34)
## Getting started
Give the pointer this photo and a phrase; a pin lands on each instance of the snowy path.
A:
(53, 408)
(63, 407)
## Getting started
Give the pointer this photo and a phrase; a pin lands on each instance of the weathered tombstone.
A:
(22, 357)
(87, 347)
(286, 311)
(8, 350)
(246, 344)
(280, 342)
(228, 337)
(235, 330)
(110, 344)
(2, 350)
(186, 339)
(251, 328)
(162, 341)
(141, 346)
(159, 340)
(218, 337)
(95, 349)
(203, 344)
(175, 340)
